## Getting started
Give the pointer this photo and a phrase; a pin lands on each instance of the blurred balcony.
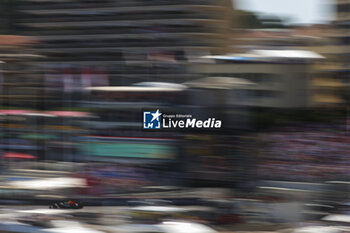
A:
(332, 49)
(342, 2)
(343, 16)
(129, 23)
(103, 11)
(326, 99)
(327, 83)
(56, 4)
(328, 66)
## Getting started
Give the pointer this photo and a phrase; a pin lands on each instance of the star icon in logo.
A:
(156, 115)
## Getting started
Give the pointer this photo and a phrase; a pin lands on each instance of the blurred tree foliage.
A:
(250, 20)
(8, 16)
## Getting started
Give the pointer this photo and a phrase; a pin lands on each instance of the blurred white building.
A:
(282, 77)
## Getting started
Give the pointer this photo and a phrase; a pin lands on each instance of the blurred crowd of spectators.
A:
(307, 154)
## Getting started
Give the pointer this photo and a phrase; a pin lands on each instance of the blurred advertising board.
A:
(129, 148)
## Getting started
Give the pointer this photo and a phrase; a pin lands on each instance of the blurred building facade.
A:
(341, 49)
(327, 88)
(126, 41)
(279, 83)
(20, 84)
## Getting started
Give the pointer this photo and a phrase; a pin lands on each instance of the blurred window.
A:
(343, 8)
(265, 94)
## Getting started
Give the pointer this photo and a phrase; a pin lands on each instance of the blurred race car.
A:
(67, 205)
